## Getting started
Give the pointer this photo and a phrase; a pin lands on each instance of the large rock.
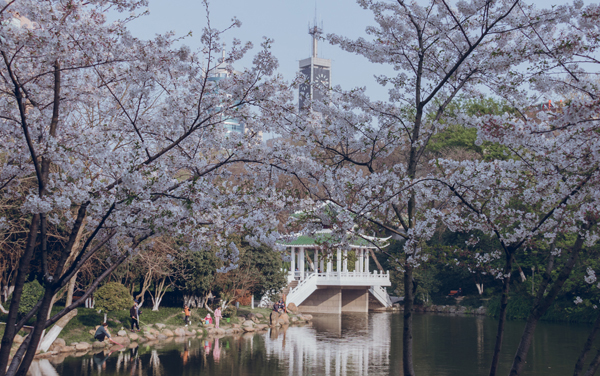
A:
(284, 319)
(66, 349)
(306, 317)
(83, 346)
(97, 344)
(249, 329)
(180, 332)
(123, 340)
(274, 318)
(133, 336)
(150, 337)
(160, 326)
(292, 308)
(260, 316)
(168, 332)
(248, 323)
(121, 333)
(60, 342)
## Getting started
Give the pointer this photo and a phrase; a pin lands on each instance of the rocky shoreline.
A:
(158, 333)
(450, 309)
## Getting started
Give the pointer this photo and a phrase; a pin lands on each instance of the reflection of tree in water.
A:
(155, 367)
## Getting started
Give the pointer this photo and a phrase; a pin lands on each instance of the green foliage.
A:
(113, 297)
(518, 307)
(267, 265)
(230, 311)
(457, 137)
(199, 271)
(32, 292)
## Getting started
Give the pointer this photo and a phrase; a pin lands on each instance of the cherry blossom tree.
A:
(547, 189)
(125, 138)
(368, 156)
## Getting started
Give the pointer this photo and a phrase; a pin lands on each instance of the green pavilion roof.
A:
(322, 237)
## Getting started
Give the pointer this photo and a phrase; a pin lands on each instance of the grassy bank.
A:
(78, 329)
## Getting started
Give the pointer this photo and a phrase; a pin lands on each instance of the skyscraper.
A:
(219, 73)
(316, 70)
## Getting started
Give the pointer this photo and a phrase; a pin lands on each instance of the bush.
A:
(113, 297)
(230, 311)
(32, 292)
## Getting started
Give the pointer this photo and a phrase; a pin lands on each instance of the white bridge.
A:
(318, 285)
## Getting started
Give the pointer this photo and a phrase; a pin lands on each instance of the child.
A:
(218, 316)
(208, 319)
(186, 310)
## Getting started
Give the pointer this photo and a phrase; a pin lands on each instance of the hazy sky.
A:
(286, 22)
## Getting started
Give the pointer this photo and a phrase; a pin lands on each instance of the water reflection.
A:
(347, 345)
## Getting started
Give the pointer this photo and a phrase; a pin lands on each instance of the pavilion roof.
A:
(325, 236)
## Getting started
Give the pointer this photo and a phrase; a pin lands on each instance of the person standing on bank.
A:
(186, 311)
(218, 316)
(134, 312)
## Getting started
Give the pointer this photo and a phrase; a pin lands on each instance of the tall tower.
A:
(316, 70)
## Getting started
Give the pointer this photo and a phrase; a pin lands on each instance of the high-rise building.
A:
(316, 70)
(219, 73)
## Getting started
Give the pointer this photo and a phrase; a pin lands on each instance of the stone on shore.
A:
(82, 346)
(98, 344)
(160, 326)
(260, 316)
(283, 319)
(121, 333)
(248, 323)
(66, 349)
(168, 332)
(274, 318)
(180, 332)
(292, 308)
(133, 336)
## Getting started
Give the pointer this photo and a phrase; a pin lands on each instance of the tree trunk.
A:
(479, 288)
(407, 337)
(36, 333)
(587, 347)
(159, 291)
(541, 305)
(71, 290)
(23, 271)
(502, 318)
(594, 366)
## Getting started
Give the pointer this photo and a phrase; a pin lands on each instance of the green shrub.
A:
(32, 292)
(518, 307)
(230, 311)
(113, 297)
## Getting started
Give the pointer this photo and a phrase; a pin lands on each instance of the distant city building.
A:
(316, 70)
(219, 73)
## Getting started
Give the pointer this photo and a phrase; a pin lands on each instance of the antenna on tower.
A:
(315, 30)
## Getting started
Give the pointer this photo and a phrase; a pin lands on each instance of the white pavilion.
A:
(319, 281)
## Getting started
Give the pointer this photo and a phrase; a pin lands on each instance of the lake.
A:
(350, 344)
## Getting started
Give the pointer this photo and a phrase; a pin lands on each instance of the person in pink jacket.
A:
(218, 316)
